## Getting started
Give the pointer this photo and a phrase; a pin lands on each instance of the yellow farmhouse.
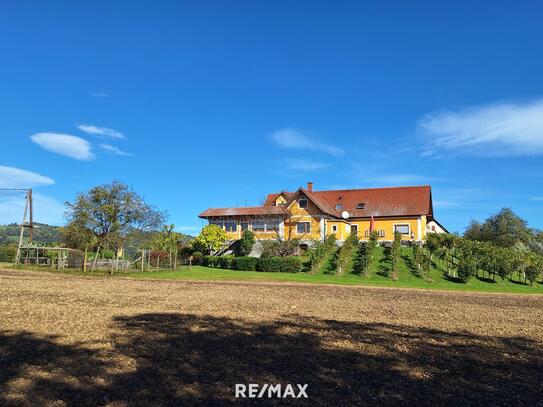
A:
(311, 215)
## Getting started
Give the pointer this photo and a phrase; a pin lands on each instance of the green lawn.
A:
(379, 275)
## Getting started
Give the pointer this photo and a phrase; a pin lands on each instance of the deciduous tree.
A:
(105, 215)
(211, 238)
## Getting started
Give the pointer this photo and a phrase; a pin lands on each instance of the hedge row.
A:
(222, 262)
(291, 264)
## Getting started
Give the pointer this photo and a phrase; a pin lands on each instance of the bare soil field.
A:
(70, 340)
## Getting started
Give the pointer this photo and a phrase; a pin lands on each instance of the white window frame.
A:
(306, 232)
(276, 223)
(402, 224)
(234, 222)
(260, 221)
(218, 222)
(334, 228)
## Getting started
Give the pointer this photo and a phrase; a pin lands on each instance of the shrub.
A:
(245, 263)
(8, 253)
(330, 243)
(280, 247)
(320, 251)
(466, 264)
(369, 250)
(395, 253)
(197, 258)
(278, 264)
(532, 273)
(344, 254)
(184, 253)
(317, 254)
(291, 264)
(109, 254)
(359, 265)
(210, 261)
(246, 243)
(225, 262)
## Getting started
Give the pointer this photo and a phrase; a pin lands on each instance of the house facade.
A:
(307, 214)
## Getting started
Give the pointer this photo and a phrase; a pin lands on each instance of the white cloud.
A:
(46, 209)
(401, 179)
(495, 129)
(114, 150)
(537, 198)
(444, 204)
(64, 144)
(11, 177)
(300, 164)
(294, 139)
(101, 131)
(369, 174)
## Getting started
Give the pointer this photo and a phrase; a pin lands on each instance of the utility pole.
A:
(30, 216)
(28, 210)
(22, 232)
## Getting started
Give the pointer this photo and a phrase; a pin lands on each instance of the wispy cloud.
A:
(444, 204)
(537, 198)
(294, 139)
(114, 150)
(64, 144)
(402, 179)
(101, 131)
(11, 177)
(494, 129)
(46, 209)
(377, 175)
(300, 164)
(99, 94)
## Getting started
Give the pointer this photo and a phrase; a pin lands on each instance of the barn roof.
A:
(247, 210)
(390, 201)
(377, 202)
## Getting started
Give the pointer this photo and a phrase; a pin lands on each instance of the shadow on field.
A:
(177, 359)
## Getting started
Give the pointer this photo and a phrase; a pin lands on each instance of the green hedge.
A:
(223, 262)
(280, 264)
(268, 264)
(245, 263)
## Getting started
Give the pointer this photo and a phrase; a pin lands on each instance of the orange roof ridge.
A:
(372, 188)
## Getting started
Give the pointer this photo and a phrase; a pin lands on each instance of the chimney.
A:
(310, 186)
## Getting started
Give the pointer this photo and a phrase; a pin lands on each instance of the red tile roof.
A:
(378, 202)
(270, 199)
(394, 201)
(247, 210)
(391, 201)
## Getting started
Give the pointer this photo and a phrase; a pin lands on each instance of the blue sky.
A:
(205, 104)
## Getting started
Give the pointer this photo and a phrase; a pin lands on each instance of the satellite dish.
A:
(345, 215)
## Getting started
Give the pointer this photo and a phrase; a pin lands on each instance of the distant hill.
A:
(44, 234)
(50, 235)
